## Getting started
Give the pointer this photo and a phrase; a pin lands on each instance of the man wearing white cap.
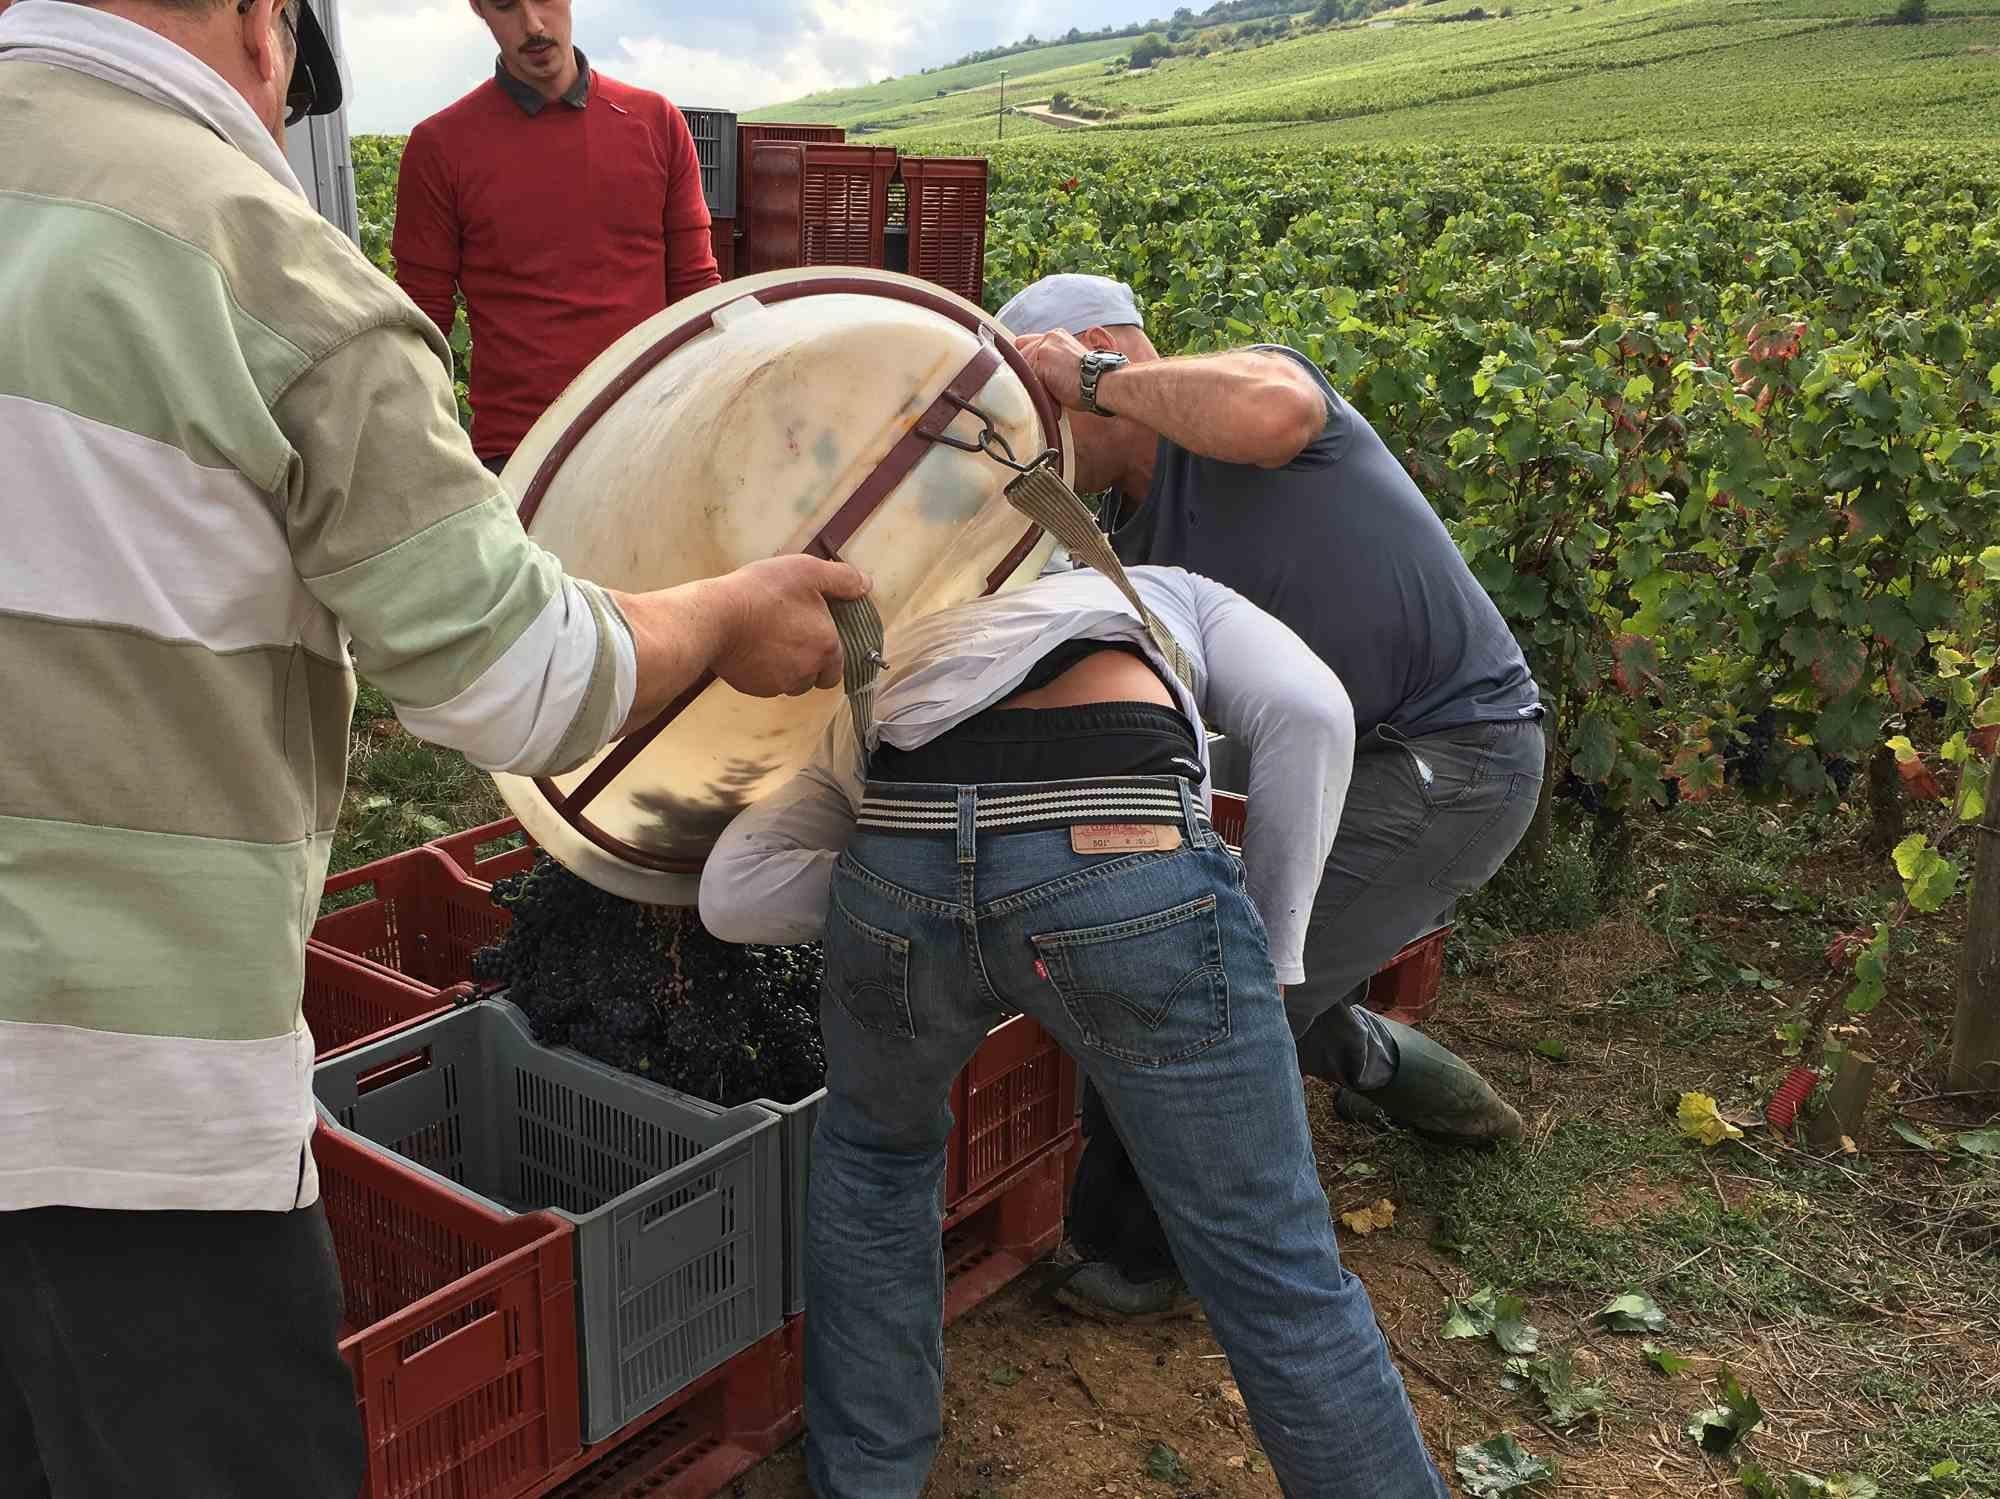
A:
(1248, 467)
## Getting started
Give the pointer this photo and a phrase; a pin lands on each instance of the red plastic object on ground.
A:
(945, 212)
(489, 852)
(426, 920)
(460, 1332)
(1782, 1112)
(1015, 1100)
(348, 999)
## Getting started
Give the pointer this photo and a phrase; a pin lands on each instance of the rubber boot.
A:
(1102, 1292)
(1435, 1093)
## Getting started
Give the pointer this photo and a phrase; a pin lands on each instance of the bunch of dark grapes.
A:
(1748, 762)
(646, 989)
(1588, 796)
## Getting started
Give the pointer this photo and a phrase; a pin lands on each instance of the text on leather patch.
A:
(1123, 838)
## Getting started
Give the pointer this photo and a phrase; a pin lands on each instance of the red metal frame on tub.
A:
(845, 522)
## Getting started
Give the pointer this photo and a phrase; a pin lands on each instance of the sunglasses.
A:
(300, 96)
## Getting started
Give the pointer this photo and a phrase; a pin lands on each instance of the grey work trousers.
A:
(1427, 820)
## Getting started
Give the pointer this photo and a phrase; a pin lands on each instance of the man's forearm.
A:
(764, 629)
(1241, 407)
(676, 634)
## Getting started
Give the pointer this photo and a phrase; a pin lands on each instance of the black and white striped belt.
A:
(901, 808)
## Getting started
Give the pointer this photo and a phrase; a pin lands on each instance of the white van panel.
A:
(317, 146)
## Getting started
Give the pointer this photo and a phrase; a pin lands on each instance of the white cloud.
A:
(406, 59)
(712, 79)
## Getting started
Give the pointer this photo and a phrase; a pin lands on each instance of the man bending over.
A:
(1025, 831)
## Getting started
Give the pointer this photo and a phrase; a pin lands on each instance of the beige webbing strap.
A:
(860, 629)
(1041, 495)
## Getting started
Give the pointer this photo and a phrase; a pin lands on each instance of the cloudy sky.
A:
(406, 58)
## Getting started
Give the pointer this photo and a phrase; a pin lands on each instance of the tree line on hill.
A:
(1186, 21)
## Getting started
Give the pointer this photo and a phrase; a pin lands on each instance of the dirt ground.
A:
(1855, 1295)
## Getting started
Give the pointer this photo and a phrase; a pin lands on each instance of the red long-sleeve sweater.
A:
(564, 229)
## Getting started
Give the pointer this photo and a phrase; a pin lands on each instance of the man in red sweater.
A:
(564, 205)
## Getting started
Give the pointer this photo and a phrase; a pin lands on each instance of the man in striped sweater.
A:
(230, 474)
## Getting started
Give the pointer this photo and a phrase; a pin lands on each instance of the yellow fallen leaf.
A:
(1365, 1221)
(1701, 1120)
(1848, 1147)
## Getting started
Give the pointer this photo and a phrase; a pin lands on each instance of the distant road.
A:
(1038, 112)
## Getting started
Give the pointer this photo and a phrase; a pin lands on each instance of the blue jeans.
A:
(1153, 971)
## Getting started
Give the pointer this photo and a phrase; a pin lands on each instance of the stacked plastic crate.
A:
(559, 1276)
(808, 204)
(715, 147)
(944, 217)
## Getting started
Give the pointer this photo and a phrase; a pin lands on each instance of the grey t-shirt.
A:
(1341, 545)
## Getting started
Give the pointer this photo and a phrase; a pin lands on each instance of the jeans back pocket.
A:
(1148, 991)
(868, 972)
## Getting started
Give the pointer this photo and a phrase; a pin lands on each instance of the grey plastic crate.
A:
(797, 1126)
(796, 1122)
(714, 132)
(795, 1135)
(678, 1207)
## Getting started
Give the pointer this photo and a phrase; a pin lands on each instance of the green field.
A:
(1610, 71)
(952, 96)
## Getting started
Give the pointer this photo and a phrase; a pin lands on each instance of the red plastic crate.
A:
(489, 852)
(426, 918)
(945, 212)
(460, 1332)
(847, 204)
(743, 1412)
(1406, 987)
(748, 136)
(1015, 1100)
(1229, 814)
(705, 1436)
(773, 206)
(839, 196)
(989, 1247)
(349, 999)
(722, 239)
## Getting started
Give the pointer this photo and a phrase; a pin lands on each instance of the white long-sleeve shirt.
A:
(769, 877)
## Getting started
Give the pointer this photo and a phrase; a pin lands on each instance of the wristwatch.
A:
(1095, 365)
